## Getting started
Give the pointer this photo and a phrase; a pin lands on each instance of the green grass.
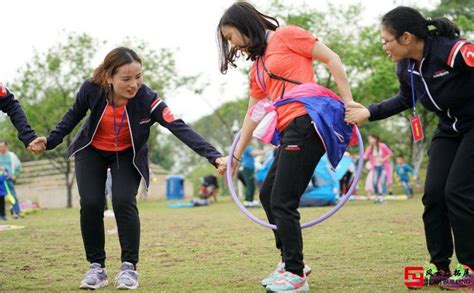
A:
(363, 248)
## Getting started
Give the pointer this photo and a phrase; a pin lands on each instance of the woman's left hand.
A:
(221, 165)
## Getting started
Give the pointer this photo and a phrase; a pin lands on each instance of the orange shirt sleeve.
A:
(298, 40)
(255, 89)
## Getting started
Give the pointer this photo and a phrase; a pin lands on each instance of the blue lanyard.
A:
(117, 129)
(413, 97)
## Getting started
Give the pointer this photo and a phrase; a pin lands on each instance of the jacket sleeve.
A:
(386, 150)
(160, 113)
(12, 108)
(461, 56)
(394, 105)
(72, 117)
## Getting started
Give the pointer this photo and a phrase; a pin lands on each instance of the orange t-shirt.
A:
(104, 138)
(289, 55)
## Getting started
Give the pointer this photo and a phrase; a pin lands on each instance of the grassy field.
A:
(363, 248)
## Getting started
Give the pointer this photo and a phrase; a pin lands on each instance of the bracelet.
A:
(233, 156)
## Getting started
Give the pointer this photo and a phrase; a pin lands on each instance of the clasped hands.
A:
(356, 113)
(38, 145)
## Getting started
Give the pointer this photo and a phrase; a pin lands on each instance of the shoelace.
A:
(459, 273)
(128, 275)
(430, 270)
(95, 272)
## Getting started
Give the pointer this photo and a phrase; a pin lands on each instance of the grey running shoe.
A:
(127, 278)
(94, 278)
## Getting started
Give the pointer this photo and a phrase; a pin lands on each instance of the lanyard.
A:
(413, 97)
(117, 129)
(417, 129)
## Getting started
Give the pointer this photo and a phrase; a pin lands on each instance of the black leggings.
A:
(294, 164)
(449, 199)
(91, 174)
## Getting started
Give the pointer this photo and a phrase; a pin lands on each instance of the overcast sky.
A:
(185, 26)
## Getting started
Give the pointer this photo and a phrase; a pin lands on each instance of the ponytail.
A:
(441, 26)
(406, 19)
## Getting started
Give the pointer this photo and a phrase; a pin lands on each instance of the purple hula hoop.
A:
(305, 225)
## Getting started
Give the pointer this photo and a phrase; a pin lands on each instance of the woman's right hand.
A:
(356, 113)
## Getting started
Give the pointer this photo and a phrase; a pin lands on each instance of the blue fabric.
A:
(248, 161)
(328, 116)
(3, 181)
(403, 172)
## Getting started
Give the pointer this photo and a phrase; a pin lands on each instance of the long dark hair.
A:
(250, 23)
(114, 59)
(406, 19)
(377, 142)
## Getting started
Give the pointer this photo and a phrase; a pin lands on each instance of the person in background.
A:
(12, 165)
(379, 156)
(3, 192)
(247, 175)
(403, 171)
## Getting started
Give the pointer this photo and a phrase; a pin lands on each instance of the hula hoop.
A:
(322, 218)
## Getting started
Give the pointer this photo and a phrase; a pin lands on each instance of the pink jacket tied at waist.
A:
(264, 112)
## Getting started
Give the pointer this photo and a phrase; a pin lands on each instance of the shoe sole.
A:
(456, 289)
(125, 287)
(91, 287)
(306, 273)
(304, 288)
(430, 287)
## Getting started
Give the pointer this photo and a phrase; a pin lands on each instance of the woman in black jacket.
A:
(436, 67)
(122, 110)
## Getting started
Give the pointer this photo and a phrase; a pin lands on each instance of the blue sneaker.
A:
(94, 278)
(289, 282)
(127, 278)
(280, 269)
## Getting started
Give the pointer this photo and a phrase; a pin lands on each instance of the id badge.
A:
(416, 128)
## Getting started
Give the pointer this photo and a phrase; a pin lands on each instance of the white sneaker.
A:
(280, 269)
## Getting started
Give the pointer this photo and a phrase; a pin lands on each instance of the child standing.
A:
(403, 171)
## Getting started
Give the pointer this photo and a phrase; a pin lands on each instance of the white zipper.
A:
(455, 121)
(133, 148)
(426, 87)
(432, 100)
(92, 138)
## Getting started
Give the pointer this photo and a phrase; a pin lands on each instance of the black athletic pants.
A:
(449, 198)
(294, 164)
(91, 173)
